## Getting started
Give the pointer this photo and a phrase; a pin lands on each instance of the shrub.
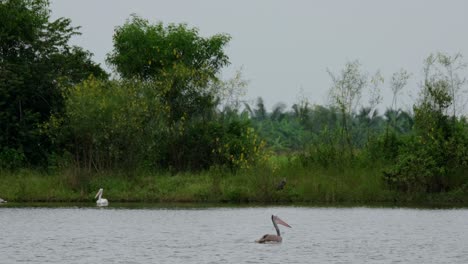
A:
(11, 159)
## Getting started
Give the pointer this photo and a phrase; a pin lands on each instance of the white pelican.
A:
(101, 201)
(273, 238)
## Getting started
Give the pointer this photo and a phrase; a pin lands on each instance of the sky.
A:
(284, 48)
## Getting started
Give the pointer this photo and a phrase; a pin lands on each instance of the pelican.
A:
(274, 238)
(101, 201)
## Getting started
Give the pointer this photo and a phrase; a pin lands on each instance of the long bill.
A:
(281, 222)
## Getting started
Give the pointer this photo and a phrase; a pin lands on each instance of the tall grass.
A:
(304, 184)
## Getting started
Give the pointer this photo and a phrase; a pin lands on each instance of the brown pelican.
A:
(273, 238)
(101, 201)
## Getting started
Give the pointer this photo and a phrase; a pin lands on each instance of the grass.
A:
(310, 185)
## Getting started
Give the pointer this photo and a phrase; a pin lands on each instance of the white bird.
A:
(2, 201)
(101, 201)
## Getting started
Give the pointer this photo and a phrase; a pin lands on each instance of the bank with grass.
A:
(304, 185)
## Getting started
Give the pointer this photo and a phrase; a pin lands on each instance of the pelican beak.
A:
(97, 194)
(281, 222)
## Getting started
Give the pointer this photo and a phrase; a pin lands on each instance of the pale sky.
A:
(285, 47)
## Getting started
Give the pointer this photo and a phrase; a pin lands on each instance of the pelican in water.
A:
(101, 201)
(273, 238)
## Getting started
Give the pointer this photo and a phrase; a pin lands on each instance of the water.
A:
(226, 235)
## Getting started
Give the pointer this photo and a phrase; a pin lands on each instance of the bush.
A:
(201, 145)
(11, 159)
(438, 150)
(106, 124)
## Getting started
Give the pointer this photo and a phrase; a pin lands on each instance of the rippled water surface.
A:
(226, 235)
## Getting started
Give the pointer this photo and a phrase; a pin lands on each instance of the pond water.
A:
(226, 235)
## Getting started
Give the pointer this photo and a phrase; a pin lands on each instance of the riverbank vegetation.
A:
(170, 129)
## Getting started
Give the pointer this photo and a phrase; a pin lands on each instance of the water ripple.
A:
(319, 235)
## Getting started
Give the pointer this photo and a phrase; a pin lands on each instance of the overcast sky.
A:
(286, 47)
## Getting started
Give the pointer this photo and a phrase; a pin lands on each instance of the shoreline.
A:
(257, 186)
(202, 205)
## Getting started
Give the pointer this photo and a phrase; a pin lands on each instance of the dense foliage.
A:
(184, 64)
(169, 111)
(422, 151)
(119, 125)
(182, 69)
(36, 64)
(435, 157)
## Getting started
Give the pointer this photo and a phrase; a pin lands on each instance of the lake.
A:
(154, 234)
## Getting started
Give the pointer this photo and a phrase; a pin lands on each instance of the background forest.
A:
(167, 127)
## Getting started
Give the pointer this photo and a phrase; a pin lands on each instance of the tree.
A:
(397, 83)
(278, 112)
(259, 113)
(438, 150)
(36, 64)
(367, 123)
(231, 91)
(183, 68)
(108, 124)
(375, 97)
(369, 115)
(176, 56)
(402, 121)
(448, 68)
(345, 94)
(301, 109)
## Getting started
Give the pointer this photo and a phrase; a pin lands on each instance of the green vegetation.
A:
(37, 63)
(253, 185)
(169, 129)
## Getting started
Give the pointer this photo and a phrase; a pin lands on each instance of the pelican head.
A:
(99, 193)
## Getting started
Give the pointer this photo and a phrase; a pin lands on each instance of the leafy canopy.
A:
(152, 51)
(36, 63)
(183, 63)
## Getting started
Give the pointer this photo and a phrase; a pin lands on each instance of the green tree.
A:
(36, 64)
(345, 94)
(183, 68)
(368, 116)
(450, 69)
(176, 56)
(322, 117)
(367, 124)
(402, 121)
(108, 124)
(438, 150)
(259, 113)
(302, 110)
(231, 91)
